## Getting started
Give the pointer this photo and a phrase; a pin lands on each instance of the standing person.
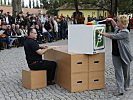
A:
(89, 18)
(55, 28)
(121, 54)
(129, 24)
(59, 29)
(9, 18)
(43, 18)
(49, 27)
(64, 27)
(34, 56)
(39, 35)
(19, 36)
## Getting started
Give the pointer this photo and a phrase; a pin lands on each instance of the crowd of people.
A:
(13, 31)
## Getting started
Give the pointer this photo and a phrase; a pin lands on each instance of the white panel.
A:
(81, 39)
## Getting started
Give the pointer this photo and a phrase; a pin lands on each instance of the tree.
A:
(16, 5)
(1, 2)
(8, 2)
(125, 7)
(113, 6)
(4, 2)
(23, 3)
(76, 5)
(30, 3)
(37, 4)
(33, 4)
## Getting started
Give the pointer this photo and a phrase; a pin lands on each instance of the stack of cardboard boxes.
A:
(96, 71)
(77, 72)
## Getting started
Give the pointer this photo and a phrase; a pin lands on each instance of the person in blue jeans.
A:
(45, 33)
(8, 39)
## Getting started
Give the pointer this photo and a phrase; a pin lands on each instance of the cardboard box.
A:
(72, 62)
(96, 80)
(97, 62)
(69, 61)
(87, 40)
(50, 55)
(72, 69)
(79, 82)
(73, 82)
(34, 79)
(76, 72)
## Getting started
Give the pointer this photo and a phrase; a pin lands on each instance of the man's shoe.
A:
(49, 41)
(1, 48)
(50, 83)
(8, 47)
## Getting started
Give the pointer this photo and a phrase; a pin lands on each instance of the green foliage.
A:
(124, 6)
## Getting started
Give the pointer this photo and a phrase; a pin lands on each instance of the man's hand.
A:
(53, 47)
(44, 47)
(49, 48)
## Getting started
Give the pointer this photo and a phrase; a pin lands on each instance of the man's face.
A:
(13, 26)
(33, 34)
(37, 26)
(8, 13)
(9, 27)
(17, 26)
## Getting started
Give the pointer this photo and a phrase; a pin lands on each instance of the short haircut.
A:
(124, 20)
(30, 30)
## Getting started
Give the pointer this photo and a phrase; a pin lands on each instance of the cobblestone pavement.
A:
(12, 62)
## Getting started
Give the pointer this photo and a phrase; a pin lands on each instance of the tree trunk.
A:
(114, 7)
(16, 7)
(76, 5)
(4, 2)
(1, 2)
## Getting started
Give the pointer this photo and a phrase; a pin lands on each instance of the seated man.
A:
(34, 56)
(2, 37)
(19, 35)
(8, 37)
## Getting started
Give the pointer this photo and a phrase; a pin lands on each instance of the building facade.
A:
(92, 11)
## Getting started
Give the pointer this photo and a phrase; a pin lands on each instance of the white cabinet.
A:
(84, 39)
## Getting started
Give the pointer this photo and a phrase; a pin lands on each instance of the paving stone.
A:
(13, 61)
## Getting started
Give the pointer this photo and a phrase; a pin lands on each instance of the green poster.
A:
(98, 39)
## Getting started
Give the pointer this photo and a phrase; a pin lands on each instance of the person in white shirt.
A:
(45, 33)
(55, 27)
